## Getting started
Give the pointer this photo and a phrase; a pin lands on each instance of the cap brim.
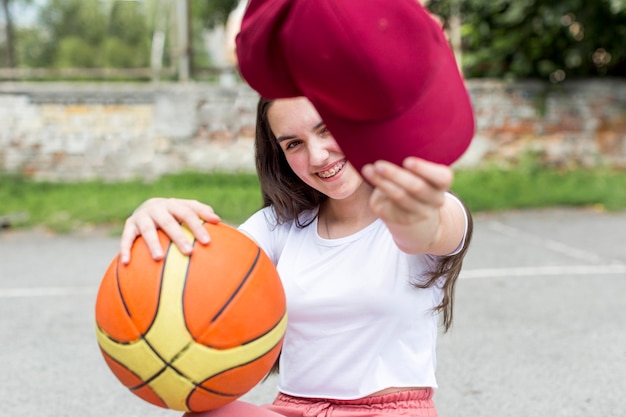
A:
(438, 127)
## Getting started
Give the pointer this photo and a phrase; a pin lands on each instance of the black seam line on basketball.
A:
(119, 288)
(112, 339)
(165, 363)
(143, 384)
(269, 330)
(182, 299)
(149, 380)
(238, 366)
(175, 358)
(158, 306)
(243, 281)
(223, 394)
(156, 310)
(188, 399)
(121, 364)
(212, 391)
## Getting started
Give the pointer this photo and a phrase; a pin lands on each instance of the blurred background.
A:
(122, 90)
(552, 40)
(105, 103)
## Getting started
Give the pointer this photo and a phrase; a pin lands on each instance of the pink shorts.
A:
(415, 403)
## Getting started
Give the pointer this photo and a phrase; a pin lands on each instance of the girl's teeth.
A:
(331, 172)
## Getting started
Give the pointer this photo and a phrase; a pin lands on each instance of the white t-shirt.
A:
(356, 325)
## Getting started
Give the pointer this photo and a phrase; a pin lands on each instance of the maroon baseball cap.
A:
(380, 74)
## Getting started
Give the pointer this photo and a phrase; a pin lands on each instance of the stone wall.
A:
(581, 123)
(77, 131)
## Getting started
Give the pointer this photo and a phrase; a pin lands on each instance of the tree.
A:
(10, 45)
(91, 33)
(205, 16)
(127, 44)
(211, 13)
(549, 39)
(74, 30)
(9, 32)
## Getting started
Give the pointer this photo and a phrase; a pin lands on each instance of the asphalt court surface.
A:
(540, 323)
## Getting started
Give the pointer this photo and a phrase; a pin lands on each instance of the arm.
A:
(166, 214)
(413, 203)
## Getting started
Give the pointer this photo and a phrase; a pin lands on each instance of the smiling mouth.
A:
(332, 171)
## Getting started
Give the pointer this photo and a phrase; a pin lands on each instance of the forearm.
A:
(439, 233)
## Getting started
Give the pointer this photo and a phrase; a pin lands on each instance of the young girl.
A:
(367, 261)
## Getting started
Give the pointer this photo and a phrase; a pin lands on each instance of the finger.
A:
(405, 188)
(129, 234)
(167, 215)
(194, 220)
(192, 214)
(148, 231)
(439, 176)
(205, 212)
(173, 229)
(132, 230)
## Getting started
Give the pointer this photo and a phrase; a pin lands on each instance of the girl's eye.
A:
(323, 131)
(292, 144)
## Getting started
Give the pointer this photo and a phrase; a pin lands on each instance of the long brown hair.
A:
(449, 268)
(280, 186)
(289, 197)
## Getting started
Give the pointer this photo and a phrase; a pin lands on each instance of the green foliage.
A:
(118, 54)
(549, 39)
(86, 34)
(109, 33)
(74, 51)
(80, 18)
(211, 13)
(33, 48)
(128, 23)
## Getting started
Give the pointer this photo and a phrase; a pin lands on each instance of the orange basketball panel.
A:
(215, 273)
(243, 378)
(125, 375)
(200, 400)
(147, 394)
(111, 314)
(253, 311)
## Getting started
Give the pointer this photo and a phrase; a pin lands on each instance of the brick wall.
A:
(78, 131)
(571, 124)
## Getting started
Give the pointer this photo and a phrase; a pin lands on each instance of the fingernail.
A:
(367, 169)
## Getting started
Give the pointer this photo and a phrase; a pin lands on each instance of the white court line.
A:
(543, 271)
(45, 292)
(550, 244)
(519, 272)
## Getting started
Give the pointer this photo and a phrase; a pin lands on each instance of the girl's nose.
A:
(318, 152)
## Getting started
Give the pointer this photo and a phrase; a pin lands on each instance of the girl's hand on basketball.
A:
(166, 214)
(411, 200)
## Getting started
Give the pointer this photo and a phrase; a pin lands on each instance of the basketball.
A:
(192, 333)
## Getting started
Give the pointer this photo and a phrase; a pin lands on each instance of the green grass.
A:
(64, 207)
(494, 189)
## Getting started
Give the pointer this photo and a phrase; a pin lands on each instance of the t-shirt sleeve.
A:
(263, 229)
(462, 244)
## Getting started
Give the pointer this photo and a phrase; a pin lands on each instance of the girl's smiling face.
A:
(310, 149)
